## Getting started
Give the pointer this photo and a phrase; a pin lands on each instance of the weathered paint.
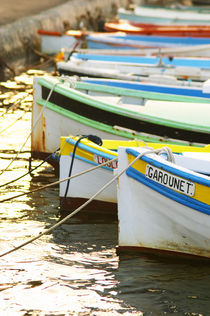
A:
(148, 219)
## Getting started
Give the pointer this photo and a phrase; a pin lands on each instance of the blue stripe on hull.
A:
(152, 88)
(173, 195)
(180, 173)
(191, 62)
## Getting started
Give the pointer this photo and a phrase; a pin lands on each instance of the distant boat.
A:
(157, 61)
(185, 51)
(64, 106)
(52, 42)
(135, 67)
(159, 30)
(122, 40)
(164, 16)
(164, 205)
(184, 89)
(89, 154)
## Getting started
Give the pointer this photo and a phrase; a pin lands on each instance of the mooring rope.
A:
(58, 182)
(150, 150)
(30, 171)
(19, 118)
(37, 120)
(15, 105)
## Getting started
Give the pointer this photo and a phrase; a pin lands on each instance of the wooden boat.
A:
(89, 154)
(157, 61)
(130, 41)
(103, 67)
(160, 30)
(185, 88)
(169, 202)
(72, 68)
(181, 7)
(62, 107)
(163, 16)
(185, 51)
(53, 42)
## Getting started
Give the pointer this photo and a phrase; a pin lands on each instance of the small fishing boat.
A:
(161, 30)
(121, 40)
(149, 61)
(83, 153)
(63, 106)
(165, 16)
(52, 42)
(184, 88)
(185, 51)
(124, 67)
(164, 203)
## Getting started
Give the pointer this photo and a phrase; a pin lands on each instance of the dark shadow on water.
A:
(152, 283)
(164, 285)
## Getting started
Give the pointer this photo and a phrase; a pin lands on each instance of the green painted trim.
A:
(111, 130)
(95, 124)
(76, 95)
(140, 94)
(122, 91)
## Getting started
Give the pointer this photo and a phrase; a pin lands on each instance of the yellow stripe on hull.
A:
(202, 192)
(110, 145)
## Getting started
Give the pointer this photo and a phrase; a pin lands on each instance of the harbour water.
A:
(75, 269)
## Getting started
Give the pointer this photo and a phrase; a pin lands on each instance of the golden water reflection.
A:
(74, 270)
(42, 277)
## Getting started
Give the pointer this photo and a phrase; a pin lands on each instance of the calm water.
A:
(75, 270)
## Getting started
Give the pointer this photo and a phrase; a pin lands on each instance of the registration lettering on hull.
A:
(170, 181)
(100, 160)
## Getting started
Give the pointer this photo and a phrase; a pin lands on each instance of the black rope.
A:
(93, 138)
(31, 170)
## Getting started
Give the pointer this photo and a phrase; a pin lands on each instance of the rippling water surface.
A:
(75, 269)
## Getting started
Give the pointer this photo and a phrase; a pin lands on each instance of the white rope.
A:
(6, 128)
(150, 150)
(41, 112)
(70, 79)
(168, 152)
(59, 181)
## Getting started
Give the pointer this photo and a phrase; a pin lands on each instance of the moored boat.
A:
(62, 107)
(160, 30)
(130, 70)
(121, 40)
(164, 205)
(81, 154)
(53, 42)
(184, 88)
(157, 61)
(165, 16)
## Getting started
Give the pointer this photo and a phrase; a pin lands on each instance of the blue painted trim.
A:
(192, 62)
(165, 39)
(90, 149)
(152, 88)
(180, 173)
(91, 162)
(178, 40)
(56, 157)
(173, 195)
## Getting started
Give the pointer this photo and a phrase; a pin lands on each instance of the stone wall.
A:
(18, 40)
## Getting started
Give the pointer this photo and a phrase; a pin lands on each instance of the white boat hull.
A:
(150, 220)
(133, 69)
(85, 186)
(46, 138)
